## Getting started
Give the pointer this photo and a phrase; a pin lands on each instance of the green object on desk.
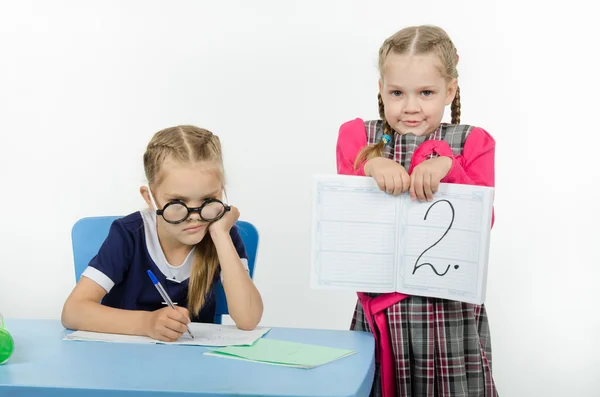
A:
(7, 344)
(278, 352)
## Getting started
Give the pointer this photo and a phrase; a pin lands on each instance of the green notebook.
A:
(278, 352)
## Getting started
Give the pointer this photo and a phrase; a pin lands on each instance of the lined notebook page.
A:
(444, 244)
(204, 335)
(353, 235)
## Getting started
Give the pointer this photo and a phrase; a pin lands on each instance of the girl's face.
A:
(189, 183)
(415, 93)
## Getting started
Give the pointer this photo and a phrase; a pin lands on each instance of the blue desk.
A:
(45, 365)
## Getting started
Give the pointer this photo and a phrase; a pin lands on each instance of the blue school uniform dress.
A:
(130, 249)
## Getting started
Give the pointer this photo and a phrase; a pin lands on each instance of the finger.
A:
(380, 182)
(178, 316)
(435, 184)
(405, 182)
(418, 182)
(389, 184)
(161, 338)
(169, 335)
(413, 194)
(427, 186)
(232, 215)
(397, 184)
(183, 311)
(176, 326)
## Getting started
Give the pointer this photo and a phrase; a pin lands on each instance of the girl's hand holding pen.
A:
(167, 324)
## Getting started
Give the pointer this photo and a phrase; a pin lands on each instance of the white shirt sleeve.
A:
(99, 278)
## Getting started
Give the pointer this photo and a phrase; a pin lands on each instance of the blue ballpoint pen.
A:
(164, 295)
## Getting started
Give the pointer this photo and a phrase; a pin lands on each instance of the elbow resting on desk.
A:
(66, 316)
(81, 303)
(248, 323)
(83, 311)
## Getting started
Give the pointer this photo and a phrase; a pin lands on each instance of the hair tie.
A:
(386, 139)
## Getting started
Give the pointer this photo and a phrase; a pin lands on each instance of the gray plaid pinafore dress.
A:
(441, 348)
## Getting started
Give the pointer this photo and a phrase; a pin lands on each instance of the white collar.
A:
(173, 273)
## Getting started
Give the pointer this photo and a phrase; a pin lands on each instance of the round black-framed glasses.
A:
(175, 212)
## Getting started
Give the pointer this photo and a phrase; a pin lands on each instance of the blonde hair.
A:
(415, 40)
(187, 143)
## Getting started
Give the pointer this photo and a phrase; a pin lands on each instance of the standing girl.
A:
(425, 346)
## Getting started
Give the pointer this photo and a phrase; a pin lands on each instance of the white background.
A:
(85, 84)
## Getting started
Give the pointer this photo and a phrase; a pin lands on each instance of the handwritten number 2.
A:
(416, 267)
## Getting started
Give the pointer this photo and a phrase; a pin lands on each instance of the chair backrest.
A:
(88, 234)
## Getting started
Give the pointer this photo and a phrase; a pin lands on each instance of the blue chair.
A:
(88, 234)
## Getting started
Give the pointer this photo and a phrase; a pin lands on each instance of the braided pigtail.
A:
(376, 150)
(455, 107)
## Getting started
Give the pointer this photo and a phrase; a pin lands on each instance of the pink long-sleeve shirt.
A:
(475, 166)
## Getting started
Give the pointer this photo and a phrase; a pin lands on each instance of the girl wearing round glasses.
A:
(187, 238)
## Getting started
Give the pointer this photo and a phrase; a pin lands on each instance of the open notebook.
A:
(366, 240)
(204, 335)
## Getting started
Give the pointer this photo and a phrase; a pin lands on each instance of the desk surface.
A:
(45, 365)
